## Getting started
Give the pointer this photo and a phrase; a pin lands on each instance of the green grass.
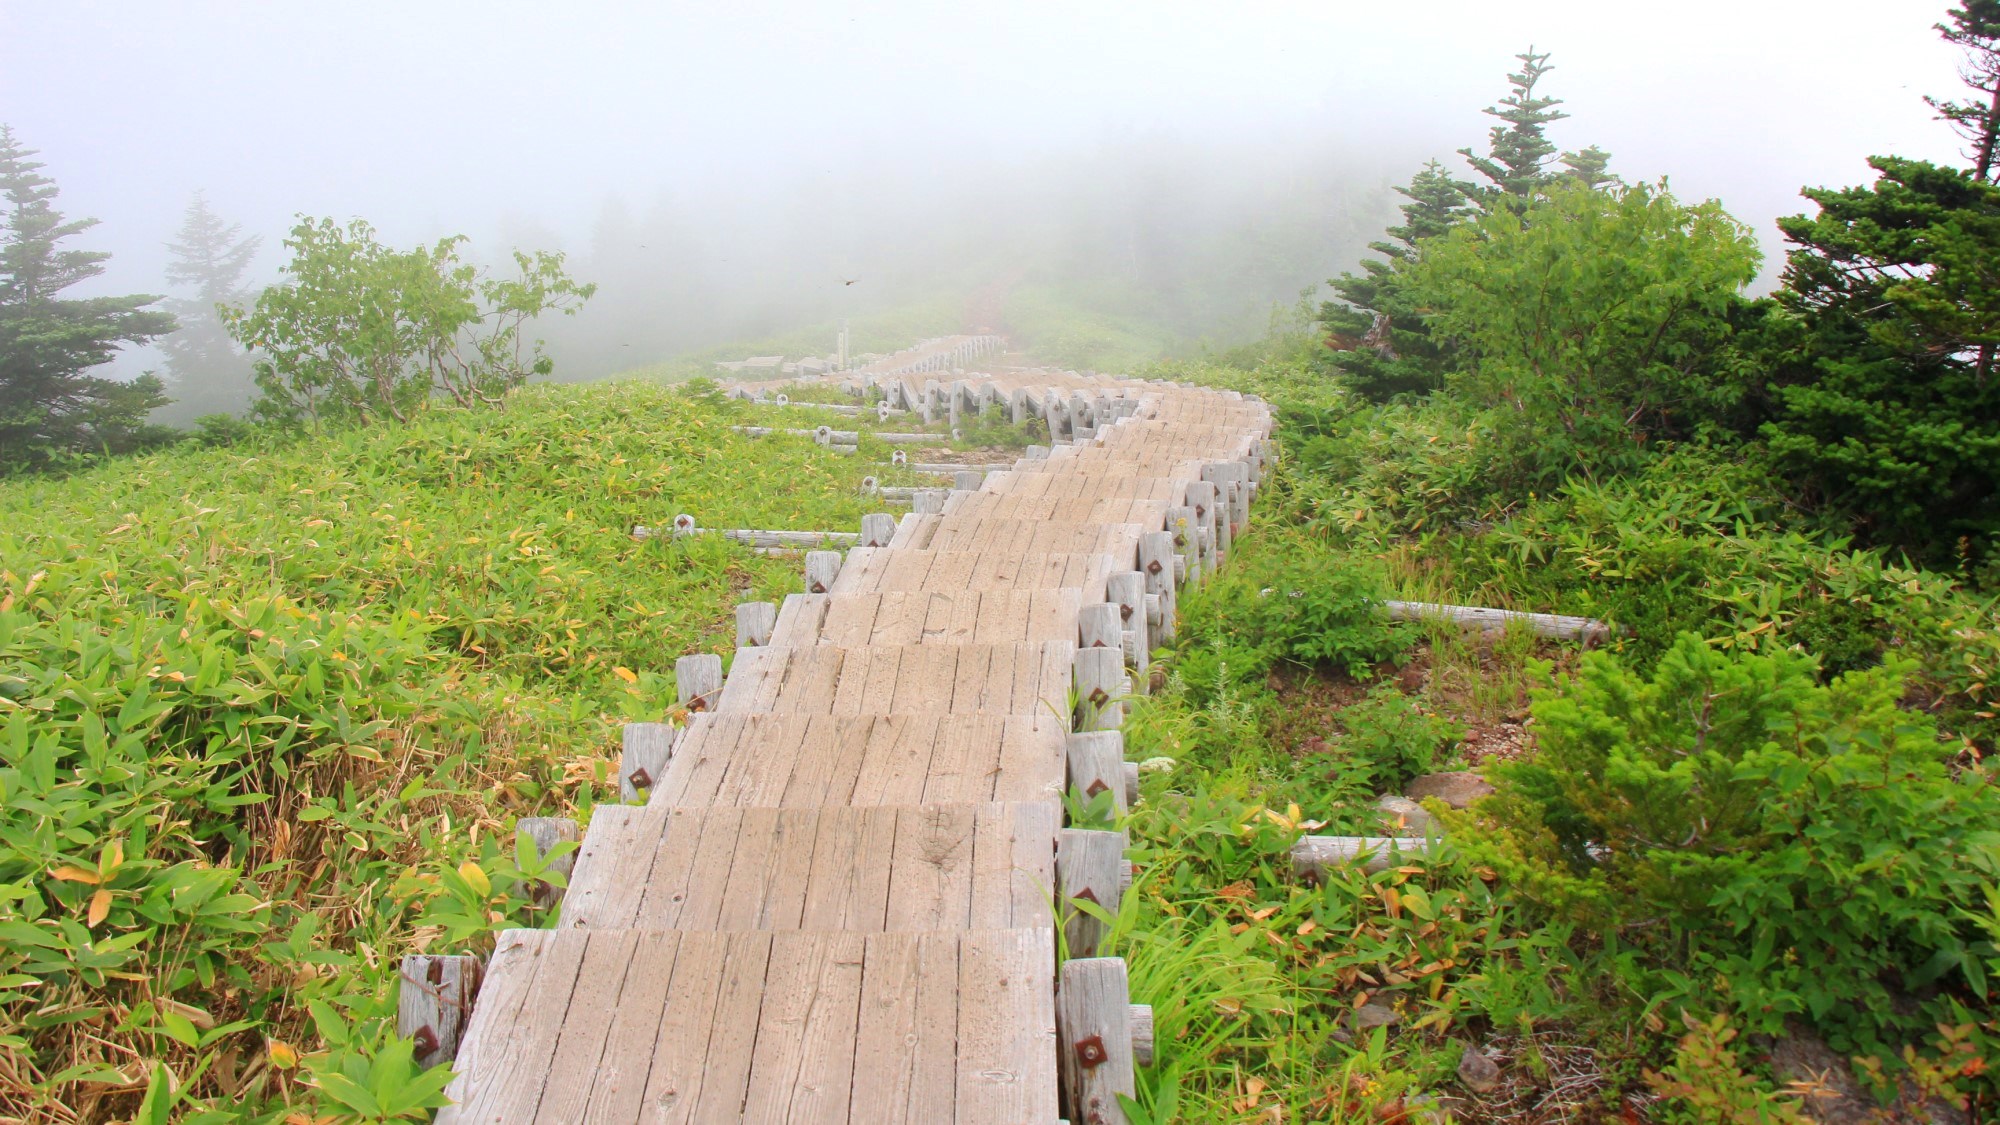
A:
(259, 704)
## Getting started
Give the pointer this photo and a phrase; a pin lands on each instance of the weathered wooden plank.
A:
(1006, 1028)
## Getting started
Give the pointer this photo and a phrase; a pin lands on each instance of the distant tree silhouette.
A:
(206, 261)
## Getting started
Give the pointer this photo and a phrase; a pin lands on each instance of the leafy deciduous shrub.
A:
(1392, 738)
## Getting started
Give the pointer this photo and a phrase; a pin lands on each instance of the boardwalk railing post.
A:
(1156, 563)
(967, 480)
(822, 567)
(1098, 626)
(1187, 554)
(1096, 764)
(543, 833)
(754, 622)
(1127, 591)
(927, 501)
(648, 747)
(698, 680)
(1201, 497)
(1100, 688)
(1090, 867)
(877, 529)
(1094, 1039)
(434, 1002)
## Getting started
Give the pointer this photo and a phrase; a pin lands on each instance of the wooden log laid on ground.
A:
(1587, 629)
(434, 998)
(1090, 867)
(1094, 1039)
(698, 680)
(754, 537)
(543, 833)
(648, 747)
(822, 567)
(1312, 855)
(1096, 763)
(754, 622)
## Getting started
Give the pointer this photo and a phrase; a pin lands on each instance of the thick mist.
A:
(1163, 173)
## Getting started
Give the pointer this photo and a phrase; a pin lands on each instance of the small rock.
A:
(1457, 788)
(1402, 816)
(1369, 1016)
(1478, 1072)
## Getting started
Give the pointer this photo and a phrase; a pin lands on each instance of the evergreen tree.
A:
(1380, 345)
(1885, 401)
(1589, 167)
(49, 404)
(1975, 27)
(206, 261)
(1520, 151)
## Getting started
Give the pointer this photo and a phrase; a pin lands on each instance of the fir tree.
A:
(206, 261)
(1975, 27)
(1520, 151)
(49, 404)
(1589, 167)
(1379, 341)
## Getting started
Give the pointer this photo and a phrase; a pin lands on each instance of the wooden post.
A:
(1201, 497)
(543, 833)
(822, 567)
(434, 1003)
(1097, 763)
(1187, 544)
(648, 748)
(1129, 771)
(1094, 1039)
(968, 480)
(1127, 591)
(1100, 688)
(1098, 626)
(1142, 1034)
(698, 678)
(1156, 562)
(1017, 405)
(754, 622)
(877, 529)
(1091, 866)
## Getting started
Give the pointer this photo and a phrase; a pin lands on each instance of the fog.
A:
(723, 170)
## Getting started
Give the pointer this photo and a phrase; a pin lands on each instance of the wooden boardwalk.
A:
(838, 903)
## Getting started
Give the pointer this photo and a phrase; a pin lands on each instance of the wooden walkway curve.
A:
(837, 903)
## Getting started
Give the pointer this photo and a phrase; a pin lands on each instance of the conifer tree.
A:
(1519, 150)
(1589, 167)
(50, 405)
(1975, 27)
(206, 262)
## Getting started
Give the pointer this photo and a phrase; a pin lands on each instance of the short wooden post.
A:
(1201, 497)
(1017, 405)
(1187, 539)
(1142, 1034)
(822, 568)
(1098, 626)
(968, 480)
(648, 748)
(1094, 1033)
(543, 833)
(754, 622)
(1127, 591)
(1156, 563)
(877, 529)
(1091, 867)
(1099, 675)
(698, 679)
(927, 501)
(434, 1003)
(1097, 763)
(1129, 772)
(1036, 453)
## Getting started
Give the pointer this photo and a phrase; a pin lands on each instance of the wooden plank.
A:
(848, 886)
(802, 1064)
(513, 1088)
(930, 881)
(1006, 1027)
(619, 1081)
(893, 1044)
(711, 975)
(600, 984)
(489, 1039)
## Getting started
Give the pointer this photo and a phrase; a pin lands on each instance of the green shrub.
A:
(1804, 843)
(1299, 601)
(1390, 738)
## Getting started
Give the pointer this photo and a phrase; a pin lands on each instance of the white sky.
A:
(430, 117)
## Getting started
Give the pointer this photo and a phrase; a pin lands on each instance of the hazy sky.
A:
(429, 117)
